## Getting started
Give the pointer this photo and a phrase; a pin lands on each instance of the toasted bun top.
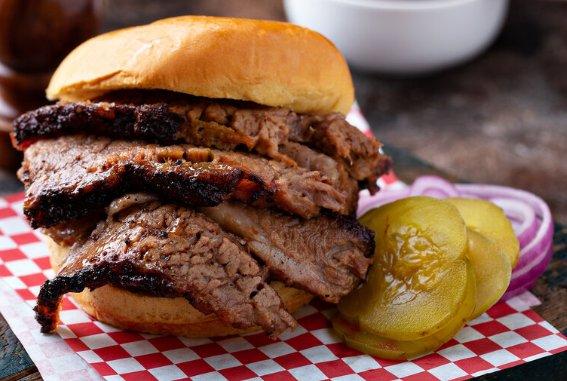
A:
(267, 62)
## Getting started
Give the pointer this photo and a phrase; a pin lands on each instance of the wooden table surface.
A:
(499, 119)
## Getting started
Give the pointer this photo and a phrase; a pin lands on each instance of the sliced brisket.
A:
(327, 256)
(335, 172)
(169, 251)
(154, 122)
(68, 232)
(69, 177)
(216, 124)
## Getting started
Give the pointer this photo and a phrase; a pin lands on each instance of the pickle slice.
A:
(425, 313)
(492, 271)
(367, 343)
(398, 350)
(420, 274)
(489, 220)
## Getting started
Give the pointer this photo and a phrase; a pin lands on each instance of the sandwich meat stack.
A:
(197, 177)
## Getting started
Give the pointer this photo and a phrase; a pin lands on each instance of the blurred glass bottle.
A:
(35, 35)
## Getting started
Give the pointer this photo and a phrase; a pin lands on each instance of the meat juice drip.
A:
(35, 35)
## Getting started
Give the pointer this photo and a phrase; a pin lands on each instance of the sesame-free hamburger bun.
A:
(267, 62)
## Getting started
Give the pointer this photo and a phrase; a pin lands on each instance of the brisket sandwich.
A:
(197, 177)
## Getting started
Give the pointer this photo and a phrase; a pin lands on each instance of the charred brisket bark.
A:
(69, 177)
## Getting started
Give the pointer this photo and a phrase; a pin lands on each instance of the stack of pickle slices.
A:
(438, 264)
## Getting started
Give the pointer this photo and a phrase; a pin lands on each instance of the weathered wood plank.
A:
(13, 357)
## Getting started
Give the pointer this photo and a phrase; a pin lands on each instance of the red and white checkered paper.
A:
(508, 334)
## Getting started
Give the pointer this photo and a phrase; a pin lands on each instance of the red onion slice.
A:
(515, 292)
(527, 280)
(433, 186)
(532, 254)
(544, 230)
(522, 216)
(367, 202)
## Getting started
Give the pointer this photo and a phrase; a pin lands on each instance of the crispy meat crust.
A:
(153, 122)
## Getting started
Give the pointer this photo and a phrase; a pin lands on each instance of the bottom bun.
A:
(150, 314)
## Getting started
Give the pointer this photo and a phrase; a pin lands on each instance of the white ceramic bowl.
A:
(403, 36)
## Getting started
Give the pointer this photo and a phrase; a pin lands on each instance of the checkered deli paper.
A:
(509, 334)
